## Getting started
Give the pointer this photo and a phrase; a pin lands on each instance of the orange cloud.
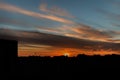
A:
(37, 50)
(82, 32)
(86, 32)
(12, 8)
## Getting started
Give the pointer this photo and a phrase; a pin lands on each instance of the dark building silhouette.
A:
(8, 52)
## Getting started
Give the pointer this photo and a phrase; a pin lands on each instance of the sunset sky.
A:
(62, 27)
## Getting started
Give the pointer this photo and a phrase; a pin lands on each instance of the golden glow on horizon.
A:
(63, 51)
(66, 54)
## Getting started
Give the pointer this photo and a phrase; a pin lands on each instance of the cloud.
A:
(90, 32)
(115, 40)
(15, 9)
(59, 30)
(72, 29)
(57, 40)
(55, 10)
(82, 32)
(78, 31)
(21, 46)
(86, 32)
(20, 23)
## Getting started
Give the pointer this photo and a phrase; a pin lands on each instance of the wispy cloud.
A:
(57, 40)
(16, 9)
(55, 10)
(86, 32)
(79, 31)
(71, 29)
(90, 32)
(20, 23)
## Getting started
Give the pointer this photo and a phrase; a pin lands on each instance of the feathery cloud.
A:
(55, 10)
(15, 9)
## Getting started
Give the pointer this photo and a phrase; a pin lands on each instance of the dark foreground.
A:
(60, 67)
(43, 66)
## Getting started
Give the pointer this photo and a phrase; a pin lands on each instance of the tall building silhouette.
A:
(8, 52)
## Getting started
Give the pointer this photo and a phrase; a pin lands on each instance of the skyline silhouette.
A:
(13, 65)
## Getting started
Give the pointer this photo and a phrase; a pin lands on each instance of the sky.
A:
(62, 27)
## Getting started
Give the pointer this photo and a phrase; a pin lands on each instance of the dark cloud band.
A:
(56, 40)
